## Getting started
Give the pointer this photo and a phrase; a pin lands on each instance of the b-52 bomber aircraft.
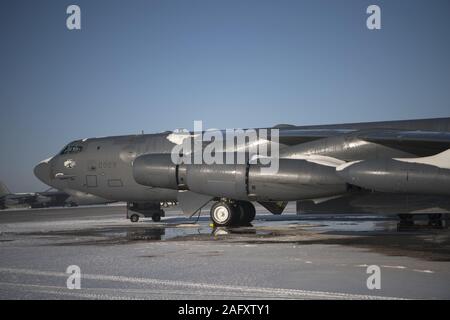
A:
(32, 199)
(45, 199)
(343, 164)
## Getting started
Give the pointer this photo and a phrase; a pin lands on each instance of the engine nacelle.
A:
(155, 170)
(391, 175)
(295, 179)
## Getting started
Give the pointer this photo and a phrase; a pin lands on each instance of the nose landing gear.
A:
(134, 217)
(137, 210)
(156, 217)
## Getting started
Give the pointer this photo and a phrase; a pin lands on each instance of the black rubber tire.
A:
(247, 212)
(156, 217)
(226, 220)
(134, 218)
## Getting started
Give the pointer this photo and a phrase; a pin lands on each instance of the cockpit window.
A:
(72, 149)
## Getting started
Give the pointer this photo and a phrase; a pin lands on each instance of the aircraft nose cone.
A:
(42, 172)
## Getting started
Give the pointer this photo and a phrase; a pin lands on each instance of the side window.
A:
(64, 151)
(72, 149)
(76, 149)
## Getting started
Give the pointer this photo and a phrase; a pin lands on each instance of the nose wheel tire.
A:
(223, 214)
(134, 218)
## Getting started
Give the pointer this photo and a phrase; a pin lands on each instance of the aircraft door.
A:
(91, 181)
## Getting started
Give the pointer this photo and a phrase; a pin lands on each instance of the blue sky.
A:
(160, 65)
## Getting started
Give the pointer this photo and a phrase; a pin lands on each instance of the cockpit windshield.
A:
(72, 148)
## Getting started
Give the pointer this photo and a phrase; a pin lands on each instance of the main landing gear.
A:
(435, 221)
(232, 213)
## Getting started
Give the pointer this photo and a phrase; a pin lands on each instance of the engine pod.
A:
(389, 175)
(220, 180)
(155, 170)
(295, 180)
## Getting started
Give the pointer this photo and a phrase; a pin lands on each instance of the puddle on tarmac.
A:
(373, 234)
(148, 231)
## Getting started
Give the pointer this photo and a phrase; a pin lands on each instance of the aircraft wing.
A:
(420, 143)
(368, 202)
(417, 142)
(22, 196)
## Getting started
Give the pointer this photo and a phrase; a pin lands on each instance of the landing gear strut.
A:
(225, 213)
(156, 217)
(435, 221)
(406, 222)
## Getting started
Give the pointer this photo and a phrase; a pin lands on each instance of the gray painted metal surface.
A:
(138, 169)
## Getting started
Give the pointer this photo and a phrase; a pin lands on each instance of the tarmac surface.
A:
(278, 257)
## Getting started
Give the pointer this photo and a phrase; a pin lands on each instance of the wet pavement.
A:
(288, 256)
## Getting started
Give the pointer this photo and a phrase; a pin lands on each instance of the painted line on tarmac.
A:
(290, 293)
